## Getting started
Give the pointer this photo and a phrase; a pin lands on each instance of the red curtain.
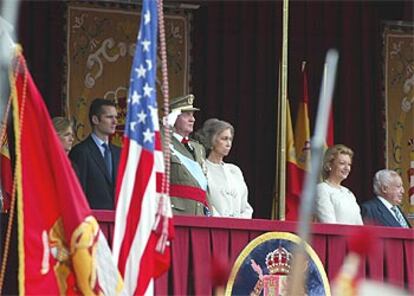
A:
(235, 52)
(236, 48)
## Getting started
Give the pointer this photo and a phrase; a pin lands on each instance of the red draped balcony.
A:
(199, 239)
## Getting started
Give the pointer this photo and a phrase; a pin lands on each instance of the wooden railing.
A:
(199, 239)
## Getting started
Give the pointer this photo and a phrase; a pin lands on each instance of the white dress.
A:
(337, 205)
(227, 191)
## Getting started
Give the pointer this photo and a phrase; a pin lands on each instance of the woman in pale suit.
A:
(336, 203)
(228, 193)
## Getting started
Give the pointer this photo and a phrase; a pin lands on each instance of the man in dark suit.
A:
(188, 183)
(384, 209)
(96, 159)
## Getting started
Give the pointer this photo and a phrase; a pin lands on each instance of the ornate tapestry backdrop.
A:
(100, 47)
(399, 103)
(234, 62)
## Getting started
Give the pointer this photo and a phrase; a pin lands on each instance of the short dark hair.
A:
(96, 107)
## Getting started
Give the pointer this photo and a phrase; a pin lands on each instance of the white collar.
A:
(386, 203)
(179, 137)
(97, 140)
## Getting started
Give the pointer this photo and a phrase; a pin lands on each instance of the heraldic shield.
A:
(263, 266)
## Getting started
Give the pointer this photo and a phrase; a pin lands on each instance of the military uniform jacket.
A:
(186, 193)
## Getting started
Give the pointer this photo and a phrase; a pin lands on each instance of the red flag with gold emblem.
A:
(61, 248)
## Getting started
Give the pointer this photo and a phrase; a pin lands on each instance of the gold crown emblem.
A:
(278, 261)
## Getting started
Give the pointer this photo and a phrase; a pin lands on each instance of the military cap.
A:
(183, 104)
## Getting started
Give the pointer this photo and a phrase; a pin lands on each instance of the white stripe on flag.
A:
(125, 197)
(149, 210)
(159, 161)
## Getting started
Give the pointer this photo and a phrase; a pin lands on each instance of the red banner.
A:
(58, 237)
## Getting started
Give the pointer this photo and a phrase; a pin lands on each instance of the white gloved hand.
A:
(172, 117)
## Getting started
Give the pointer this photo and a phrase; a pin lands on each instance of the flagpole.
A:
(282, 116)
(166, 99)
(276, 194)
(164, 202)
(325, 72)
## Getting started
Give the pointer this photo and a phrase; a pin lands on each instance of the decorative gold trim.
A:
(17, 124)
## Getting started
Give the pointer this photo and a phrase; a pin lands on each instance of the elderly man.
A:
(383, 209)
(188, 183)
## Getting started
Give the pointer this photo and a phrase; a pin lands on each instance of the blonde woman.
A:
(336, 203)
(228, 193)
(64, 129)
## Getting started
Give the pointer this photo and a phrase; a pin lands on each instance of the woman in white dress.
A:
(336, 203)
(226, 186)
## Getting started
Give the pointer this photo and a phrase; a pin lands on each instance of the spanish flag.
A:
(297, 168)
(61, 249)
(294, 175)
(302, 129)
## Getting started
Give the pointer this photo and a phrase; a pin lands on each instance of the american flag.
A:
(141, 169)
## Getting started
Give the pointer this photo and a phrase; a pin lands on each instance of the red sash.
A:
(189, 192)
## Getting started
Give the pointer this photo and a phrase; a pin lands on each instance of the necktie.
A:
(399, 217)
(108, 158)
(186, 143)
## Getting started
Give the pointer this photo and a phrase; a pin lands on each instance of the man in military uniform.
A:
(188, 183)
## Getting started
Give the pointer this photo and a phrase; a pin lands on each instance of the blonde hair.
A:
(61, 124)
(330, 154)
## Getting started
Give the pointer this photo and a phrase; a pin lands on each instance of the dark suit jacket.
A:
(93, 175)
(375, 212)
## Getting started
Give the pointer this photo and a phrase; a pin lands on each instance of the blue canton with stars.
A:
(142, 109)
